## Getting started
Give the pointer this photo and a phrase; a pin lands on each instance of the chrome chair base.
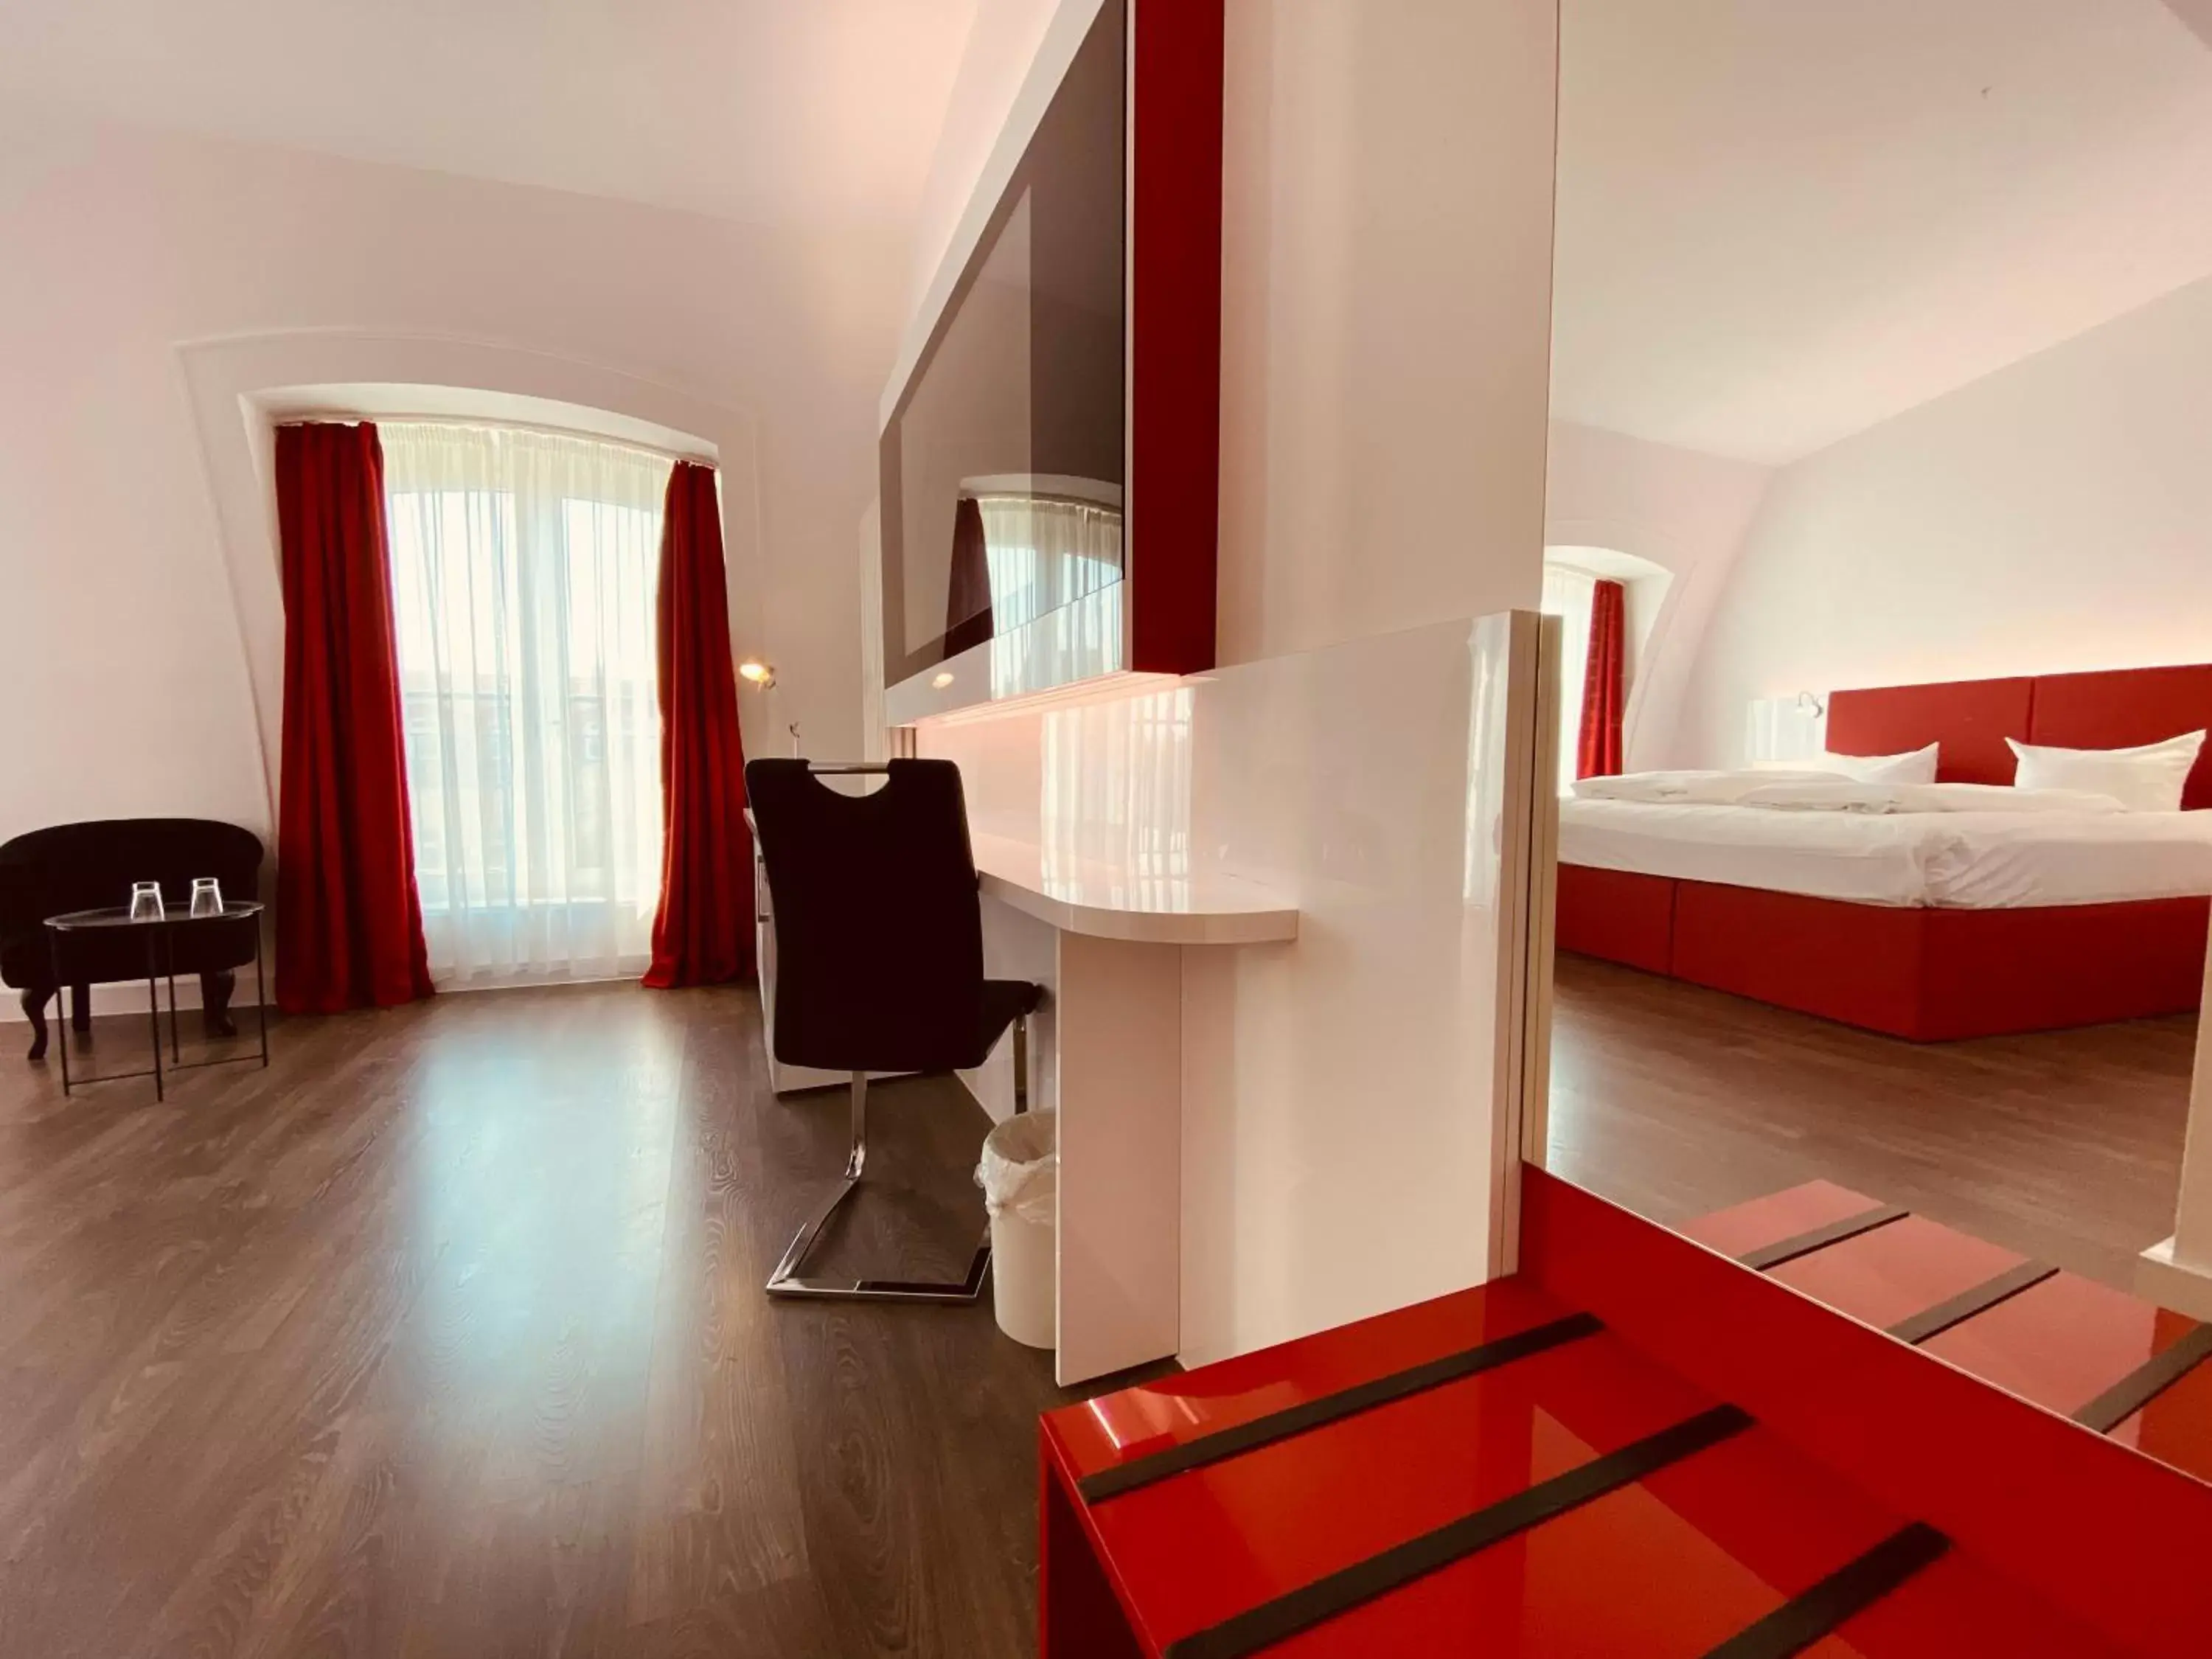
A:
(788, 1280)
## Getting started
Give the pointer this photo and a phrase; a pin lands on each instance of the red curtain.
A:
(1605, 684)
(349, 920)
(703, 931)
(968, 594)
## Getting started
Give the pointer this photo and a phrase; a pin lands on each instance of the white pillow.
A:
(1917, 767)
(2148, 778)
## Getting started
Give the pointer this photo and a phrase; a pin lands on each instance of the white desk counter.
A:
(1101, 900)
(1107, 938)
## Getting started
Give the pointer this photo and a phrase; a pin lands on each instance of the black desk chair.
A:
(879, 960)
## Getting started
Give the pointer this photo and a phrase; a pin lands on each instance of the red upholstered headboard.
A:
(1970, 719)
(2128, 706)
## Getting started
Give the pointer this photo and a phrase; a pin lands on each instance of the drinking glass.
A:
(207, 896)
(146, 901)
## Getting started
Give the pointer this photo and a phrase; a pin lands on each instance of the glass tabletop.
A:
(119, 915)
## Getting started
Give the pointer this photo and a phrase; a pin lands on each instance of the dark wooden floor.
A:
(1676, 1101)
(445, 1335)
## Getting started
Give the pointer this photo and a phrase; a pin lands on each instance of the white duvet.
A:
(1965, 846)
(1823, 791)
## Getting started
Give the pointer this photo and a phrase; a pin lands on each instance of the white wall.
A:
(1386, 300)
(133, 258)
(1001, 43)
(1682, 510)
(1386, 292)
(1386, 296)
(2056, 515)
(1339, 1093)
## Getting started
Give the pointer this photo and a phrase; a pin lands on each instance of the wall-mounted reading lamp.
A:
(762, 678)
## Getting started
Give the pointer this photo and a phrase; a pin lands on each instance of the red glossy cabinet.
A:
(1530, 1468)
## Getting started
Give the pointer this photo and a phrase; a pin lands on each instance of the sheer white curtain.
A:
(523, 570)
(1568, 594)
(1045, 553)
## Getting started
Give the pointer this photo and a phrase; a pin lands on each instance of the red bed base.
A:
(1932, 976)
(1925, 974)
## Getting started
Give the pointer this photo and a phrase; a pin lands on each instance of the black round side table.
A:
(159, 935)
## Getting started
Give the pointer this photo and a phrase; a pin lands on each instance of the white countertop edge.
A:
(1252, 916)
(1239, 927)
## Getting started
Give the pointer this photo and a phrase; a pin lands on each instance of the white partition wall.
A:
(1348, 1100)
(2178, 1271)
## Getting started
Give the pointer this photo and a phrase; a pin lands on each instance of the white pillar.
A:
(2179, 1271)
(1117, 1015)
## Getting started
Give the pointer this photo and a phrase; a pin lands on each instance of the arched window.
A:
(523, 565)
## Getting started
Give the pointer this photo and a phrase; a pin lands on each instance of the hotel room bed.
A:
(1962, 860)
(1927, 926)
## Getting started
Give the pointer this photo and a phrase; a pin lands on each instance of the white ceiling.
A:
(1780, 221)
(1783, 221)
(818, 110)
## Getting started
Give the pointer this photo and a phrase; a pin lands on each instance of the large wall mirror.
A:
(1881, 514)
(1002, 460)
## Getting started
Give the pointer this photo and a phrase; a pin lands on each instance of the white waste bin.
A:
(1020, 1178)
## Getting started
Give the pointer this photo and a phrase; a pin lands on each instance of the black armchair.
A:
(84, 867)
(879, 959)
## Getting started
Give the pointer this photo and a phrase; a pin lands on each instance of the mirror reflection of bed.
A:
(1880, 528)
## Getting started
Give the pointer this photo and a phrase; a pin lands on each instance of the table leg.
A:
(176, 1051)
(153, 1010)
(260, 994)
(61, 1008)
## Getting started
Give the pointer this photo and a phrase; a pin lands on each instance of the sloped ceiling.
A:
(780, 110)
(1783, 221)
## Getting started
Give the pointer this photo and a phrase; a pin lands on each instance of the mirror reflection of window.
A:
(1570, 578)
(1020, 389)
(1046, 552)
(1567, 595)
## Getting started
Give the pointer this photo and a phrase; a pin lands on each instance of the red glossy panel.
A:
(1618, 915)
(1895, 1271)
(2176, 1427)
(1078, 1615)
(1955, 1607)
(2122, 708)
(1670, 1567)
(1970, 719)
(1292, 1512)
(1747, 1227)
(1177, 53)
(2114, 1539)
(1116, 1428)
(2061, 1344)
